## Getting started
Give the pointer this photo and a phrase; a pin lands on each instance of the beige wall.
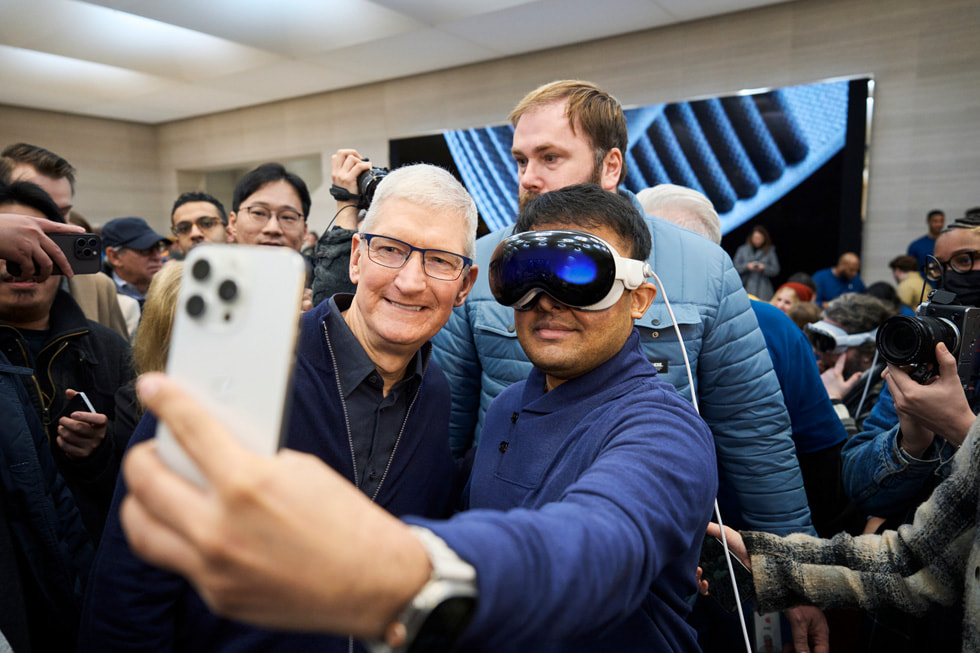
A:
(923, 54)
(117, 163)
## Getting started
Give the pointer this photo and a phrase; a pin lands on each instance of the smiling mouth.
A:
(404, 307)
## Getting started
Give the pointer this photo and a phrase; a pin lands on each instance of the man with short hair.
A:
(911, 288)
(198, 218)
(95, 293)
(135, 253)
(589, 493)
(269, 207)
(43, 330)
(842, 278)
(367, 400)
(43, 542)
(921, 248)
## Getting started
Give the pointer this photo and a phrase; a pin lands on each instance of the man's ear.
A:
(468, 280)
(112, 255)
(231, 228)
(640, 299)
(612, 167)
(354, 270)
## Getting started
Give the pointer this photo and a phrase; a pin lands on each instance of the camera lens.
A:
(201, 269)
(367, 183)
(904, 340)
(227, 290)
(195, 306)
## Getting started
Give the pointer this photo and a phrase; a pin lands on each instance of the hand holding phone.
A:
(714, 569)
(82, 251)
(232, 343)
(79, 436)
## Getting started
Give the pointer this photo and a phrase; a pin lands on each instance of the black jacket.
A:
(82, 355)
(46, 552)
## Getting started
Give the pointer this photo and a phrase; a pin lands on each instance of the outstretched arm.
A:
(253, 544)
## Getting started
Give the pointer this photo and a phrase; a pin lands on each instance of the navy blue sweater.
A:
(587, 507)
(131, 605)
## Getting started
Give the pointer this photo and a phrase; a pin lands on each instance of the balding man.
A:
(843, 277)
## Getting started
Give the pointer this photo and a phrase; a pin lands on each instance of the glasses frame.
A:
(176, 229)
(274, 214)
(367, 238)
(948, 263)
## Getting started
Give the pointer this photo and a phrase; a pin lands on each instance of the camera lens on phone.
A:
(227, 290)
(201, 269)
(195, 306)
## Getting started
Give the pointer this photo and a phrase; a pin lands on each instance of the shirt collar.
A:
(353, 363)
(126, 288)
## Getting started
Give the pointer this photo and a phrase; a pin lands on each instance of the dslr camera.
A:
(911, 341)
(367, 183)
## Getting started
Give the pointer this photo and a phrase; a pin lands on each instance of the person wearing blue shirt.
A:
(921, 248)
(843, 277)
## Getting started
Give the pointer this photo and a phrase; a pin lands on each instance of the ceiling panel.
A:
(155, 61)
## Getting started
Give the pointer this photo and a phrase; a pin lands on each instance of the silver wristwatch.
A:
(436, 617)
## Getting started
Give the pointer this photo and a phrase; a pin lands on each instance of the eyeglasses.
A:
(959, 262)
(287, 218)
(203, 223)
(393, 253)
(828, 338)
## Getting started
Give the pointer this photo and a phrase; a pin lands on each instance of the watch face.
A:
(444, 625)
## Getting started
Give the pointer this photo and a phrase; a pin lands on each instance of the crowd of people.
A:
(484, 449)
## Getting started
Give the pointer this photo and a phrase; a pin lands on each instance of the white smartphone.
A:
(233, 341)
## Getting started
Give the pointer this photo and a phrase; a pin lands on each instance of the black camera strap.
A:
(343, 195)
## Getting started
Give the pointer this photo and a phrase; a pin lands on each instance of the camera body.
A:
(367, 183)
(911, 341)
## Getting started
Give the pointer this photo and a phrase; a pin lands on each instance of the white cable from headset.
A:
(694, 400)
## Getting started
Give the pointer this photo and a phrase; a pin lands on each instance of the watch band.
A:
(435, 618)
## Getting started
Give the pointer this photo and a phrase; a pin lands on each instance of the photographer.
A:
(914, 429)
(332, 253)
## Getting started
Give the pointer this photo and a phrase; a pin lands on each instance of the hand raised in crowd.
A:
(938, 407)
(253, 543)
(833, 379)
(23, 241)
(346, 165)
(82, 432)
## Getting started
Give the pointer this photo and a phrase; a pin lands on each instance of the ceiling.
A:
(154, 61)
